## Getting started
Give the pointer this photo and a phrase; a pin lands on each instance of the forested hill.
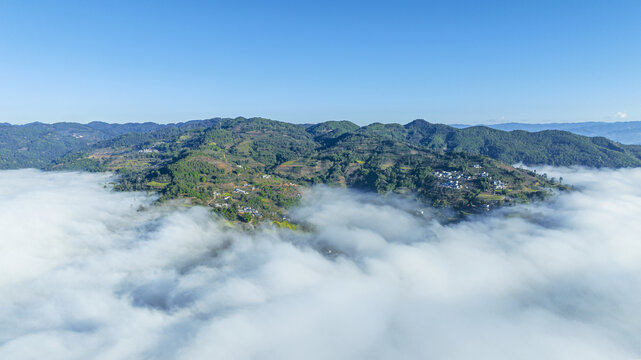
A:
(625, 132)
(550, 147)
(252, 169)
(37, 145)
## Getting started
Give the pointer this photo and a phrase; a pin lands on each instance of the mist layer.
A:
(84, 274)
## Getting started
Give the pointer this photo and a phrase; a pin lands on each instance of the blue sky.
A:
(364, 61)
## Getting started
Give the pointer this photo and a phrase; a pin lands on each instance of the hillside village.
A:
(251, 170)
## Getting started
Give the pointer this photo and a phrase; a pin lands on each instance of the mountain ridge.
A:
(254, 168)
(625, 132)
(257, 166)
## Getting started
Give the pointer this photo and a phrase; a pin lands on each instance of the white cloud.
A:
(84, 275)
(621, 115)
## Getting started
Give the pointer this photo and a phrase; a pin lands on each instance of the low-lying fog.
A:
(84, 275)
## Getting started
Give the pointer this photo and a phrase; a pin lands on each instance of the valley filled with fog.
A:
(86, 272)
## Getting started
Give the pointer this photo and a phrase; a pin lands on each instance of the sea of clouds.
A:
(85, 275)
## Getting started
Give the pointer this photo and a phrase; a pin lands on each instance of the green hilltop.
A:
(252, 169)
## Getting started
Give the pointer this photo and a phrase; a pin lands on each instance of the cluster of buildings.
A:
(452, 184)
(147, 151)
(451, 175)
(443, 174)
(244, 192)
(453, 179)
(249, 210)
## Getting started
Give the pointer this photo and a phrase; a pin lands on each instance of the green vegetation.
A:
(551, 147)
(39, 145)
(248, 170)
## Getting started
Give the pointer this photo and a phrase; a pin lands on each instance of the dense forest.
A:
(625, 132)
(38, 145)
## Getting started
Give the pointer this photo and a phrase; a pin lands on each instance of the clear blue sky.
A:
(364, 61)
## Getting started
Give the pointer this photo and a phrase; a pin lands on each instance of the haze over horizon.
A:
(365, 62)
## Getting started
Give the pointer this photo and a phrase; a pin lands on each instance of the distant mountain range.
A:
(39, 145)
(624, 132)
